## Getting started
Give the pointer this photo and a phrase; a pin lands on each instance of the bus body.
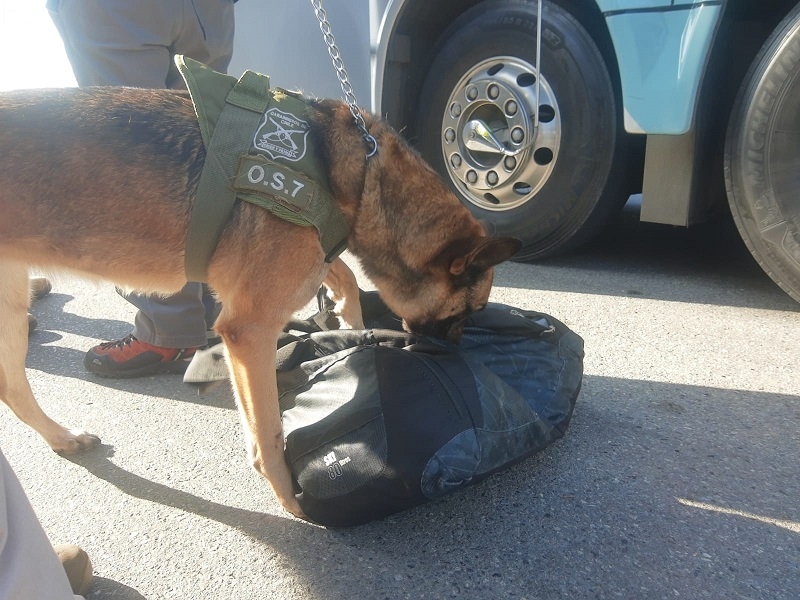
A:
(690, 102)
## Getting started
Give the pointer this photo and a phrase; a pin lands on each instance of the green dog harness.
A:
(258, 151)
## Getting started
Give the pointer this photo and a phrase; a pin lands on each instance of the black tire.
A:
(576, 183)
(762, 156)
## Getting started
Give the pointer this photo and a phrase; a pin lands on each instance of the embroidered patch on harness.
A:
(292, 189)
(282, 135)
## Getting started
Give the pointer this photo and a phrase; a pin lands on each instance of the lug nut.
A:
(492, 178)
(455, 160)
(517, 135)
(472, 177)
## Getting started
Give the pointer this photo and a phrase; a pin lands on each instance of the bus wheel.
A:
(762, 156)
(553, 187)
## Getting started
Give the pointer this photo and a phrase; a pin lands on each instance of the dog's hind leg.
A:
(15, 390)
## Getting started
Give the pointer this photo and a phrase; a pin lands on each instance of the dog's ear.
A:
(485, 252)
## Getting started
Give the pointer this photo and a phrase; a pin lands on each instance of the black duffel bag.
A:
(377, 421)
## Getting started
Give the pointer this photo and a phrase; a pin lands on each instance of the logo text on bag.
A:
(282, 135)
(334, 465)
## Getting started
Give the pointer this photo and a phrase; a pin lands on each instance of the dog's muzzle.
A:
(449, 330)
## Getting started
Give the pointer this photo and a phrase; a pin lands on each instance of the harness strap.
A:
(233, 114)
(214, 201)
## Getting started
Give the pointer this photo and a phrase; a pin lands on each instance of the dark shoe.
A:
(31, 323)
(40, 287)
(77, 565)
(130, 357)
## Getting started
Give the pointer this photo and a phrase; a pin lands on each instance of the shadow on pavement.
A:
(706, 264)
(657, 490)
(643, 498)
(258, 526)
(103, 588)
(68, 362)
(52, 317)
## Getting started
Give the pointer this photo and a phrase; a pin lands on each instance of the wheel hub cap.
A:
(493, 152)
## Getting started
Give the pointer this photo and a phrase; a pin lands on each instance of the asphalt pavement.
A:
(678, 477)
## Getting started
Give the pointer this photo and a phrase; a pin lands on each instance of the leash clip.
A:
(370, 140)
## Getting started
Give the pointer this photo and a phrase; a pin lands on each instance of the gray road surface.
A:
(679, 476)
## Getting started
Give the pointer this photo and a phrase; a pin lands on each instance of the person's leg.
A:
(176, 321)
(167, 331)
(203, 31)
(29, 567)
(205, 34)
(118, 42)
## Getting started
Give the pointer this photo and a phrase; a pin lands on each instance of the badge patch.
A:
(281, 135)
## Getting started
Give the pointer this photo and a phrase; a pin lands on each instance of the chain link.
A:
(341, 74)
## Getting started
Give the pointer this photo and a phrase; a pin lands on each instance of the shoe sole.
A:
(177, 367)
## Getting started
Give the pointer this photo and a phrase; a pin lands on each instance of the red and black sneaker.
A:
(130, 357)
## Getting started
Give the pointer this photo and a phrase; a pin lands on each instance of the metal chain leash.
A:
(538, 62)
(341, 74)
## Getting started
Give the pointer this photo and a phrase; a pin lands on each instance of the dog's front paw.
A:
(293, 506)
(73, 441)
(272, 466)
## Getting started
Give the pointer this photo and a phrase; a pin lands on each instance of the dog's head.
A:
(456, 283)
(429, 258)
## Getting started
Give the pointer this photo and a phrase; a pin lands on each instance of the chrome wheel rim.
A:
(493, 152)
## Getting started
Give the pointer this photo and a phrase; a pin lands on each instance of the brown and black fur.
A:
(100, 181)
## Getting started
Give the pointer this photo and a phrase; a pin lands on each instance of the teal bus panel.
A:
(662, 52)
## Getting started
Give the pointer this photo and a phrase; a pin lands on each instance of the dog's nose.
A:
(449, 329)
(455, 332)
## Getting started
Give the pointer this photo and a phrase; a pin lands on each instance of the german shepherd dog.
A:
(100, 182)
